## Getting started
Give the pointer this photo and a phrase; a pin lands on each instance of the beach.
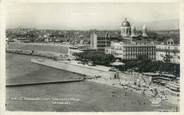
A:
(79, 96)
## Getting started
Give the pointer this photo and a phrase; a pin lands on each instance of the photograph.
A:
(92, 57)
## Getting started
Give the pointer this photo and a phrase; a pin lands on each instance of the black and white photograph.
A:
(92, 57)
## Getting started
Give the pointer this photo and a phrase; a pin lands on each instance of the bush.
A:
(152, 66)
(98, 58)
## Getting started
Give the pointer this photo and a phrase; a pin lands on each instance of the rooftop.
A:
(125, 23)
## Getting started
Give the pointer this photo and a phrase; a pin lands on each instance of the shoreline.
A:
(75, 68)
(113, 84)
(156, 100)
(46, 54)
(152, 100)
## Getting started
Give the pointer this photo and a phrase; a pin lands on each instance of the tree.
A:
(98, 58)
(32, 35)
(167, 58)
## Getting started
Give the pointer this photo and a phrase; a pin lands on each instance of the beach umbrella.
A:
(117, 64)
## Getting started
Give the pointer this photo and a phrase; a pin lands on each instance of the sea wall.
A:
(52, 51)
(56, 48)
(46, 54)
(80, 69)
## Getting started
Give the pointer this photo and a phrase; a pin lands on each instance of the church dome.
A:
(125, 23)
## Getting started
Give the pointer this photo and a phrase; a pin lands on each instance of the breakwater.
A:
(75, 68)
(48, 82)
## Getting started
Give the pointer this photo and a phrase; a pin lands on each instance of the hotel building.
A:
(99, 41)
(127, 49)
(168, 49)
(131, 51)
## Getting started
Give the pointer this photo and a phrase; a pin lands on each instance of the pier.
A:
(47, 82)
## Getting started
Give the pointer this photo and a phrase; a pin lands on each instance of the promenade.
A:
(111, 97)
(77, 68)
(134, 83)
(163, 95)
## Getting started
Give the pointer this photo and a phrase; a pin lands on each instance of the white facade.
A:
(172, 50)
(125, 32)
(144, 31)
(93, 41)
(116, 49)
(125, 29)
(99, 41)
(133, 31)
(131, 51)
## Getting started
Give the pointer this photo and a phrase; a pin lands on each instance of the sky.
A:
(86, 15)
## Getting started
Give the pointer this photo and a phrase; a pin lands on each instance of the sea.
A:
(85, 96)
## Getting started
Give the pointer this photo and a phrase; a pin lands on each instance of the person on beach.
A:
(125, 93)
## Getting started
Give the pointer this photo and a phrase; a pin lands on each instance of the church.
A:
(128, 48)
(129, 32)
(102, 40)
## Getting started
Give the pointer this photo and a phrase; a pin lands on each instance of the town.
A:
(144, 61)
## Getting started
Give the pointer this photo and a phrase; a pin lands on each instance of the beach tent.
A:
(117, 63)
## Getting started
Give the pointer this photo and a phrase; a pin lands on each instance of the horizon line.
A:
(87, 29)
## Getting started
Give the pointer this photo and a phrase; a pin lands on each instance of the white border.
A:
(2, 57)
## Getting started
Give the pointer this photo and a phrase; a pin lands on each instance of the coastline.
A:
(49, 57)
(75, 68)
(150, 97)
(125, 92)
(147, 92)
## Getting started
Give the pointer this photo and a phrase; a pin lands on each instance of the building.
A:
(133, 31)
(128, 31)
(125, 29)
(169, 49)
(127, 49)
(99, 41)
(144, 31)
(131, 51)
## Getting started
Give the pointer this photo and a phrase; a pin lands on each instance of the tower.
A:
(125, 29)
(133, 31)
(144, 31)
